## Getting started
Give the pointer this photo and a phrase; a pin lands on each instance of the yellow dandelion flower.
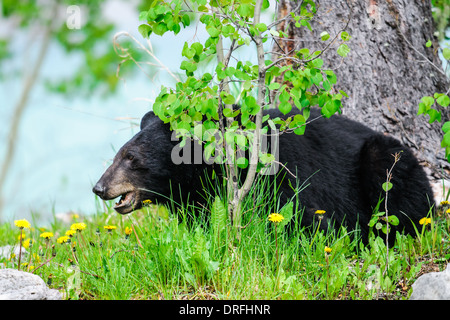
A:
(320, 212)
(27, 243)
(46, 235)
(447, 211)
(328, 249)
(63, 239)
(22, 224)
(70, 233)
(424, 221)
(147, 202)
(75, 216)
(275, 217)
(79, 226)
(444, 203)
(110, 228)
(128, 231)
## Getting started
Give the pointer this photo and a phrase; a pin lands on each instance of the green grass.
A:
(196, 258)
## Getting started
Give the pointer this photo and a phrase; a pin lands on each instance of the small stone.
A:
(432, 286)
(20, 285)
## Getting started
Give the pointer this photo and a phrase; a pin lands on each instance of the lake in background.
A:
(65, 144)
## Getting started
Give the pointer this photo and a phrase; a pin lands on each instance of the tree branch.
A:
(251, 173)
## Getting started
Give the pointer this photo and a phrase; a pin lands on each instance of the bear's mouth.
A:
(126, 203)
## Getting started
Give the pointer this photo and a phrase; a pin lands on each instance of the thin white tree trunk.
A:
(18, 112)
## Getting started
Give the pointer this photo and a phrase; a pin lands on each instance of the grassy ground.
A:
(150, 254)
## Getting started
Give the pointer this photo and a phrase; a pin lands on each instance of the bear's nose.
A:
(99, 190)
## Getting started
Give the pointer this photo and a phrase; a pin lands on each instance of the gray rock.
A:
(20, 285)
(432, 286)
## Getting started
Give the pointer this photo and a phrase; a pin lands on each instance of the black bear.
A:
(342, 163)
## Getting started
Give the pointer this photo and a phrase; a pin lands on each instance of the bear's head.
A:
(143, 169)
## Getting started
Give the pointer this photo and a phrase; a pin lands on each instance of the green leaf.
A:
(305, 23)
(145, 30)
(186, 20)
(428, 101)
(213, 31)
(343, 93)
(218, 217)
(242, 162)
(228, 30)
(446, 126)
(229, 99)
(143, 16)
(245, 10)
(160, 28)
(187, 52)
(345, 36)
(274, 86)
(188, 66)
(266, 158)
(324, 36)
(428, 44)
(261, 27)
(287, 213)
(230, 71)
(434, 115)
(422, 108)
(372, 221)
(227, 112)
(285, 107)
(446, 53)
(393, 220)
(331, 107)
(318, 63)
(271, 124)
(387, 186)
(197, 47)
(343, 50)
(241, 140)
(443, 100)
(446, 140)
(284, 96)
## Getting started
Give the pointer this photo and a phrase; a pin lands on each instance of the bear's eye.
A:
(130, 157)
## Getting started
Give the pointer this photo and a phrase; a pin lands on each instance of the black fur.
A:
(342, 162)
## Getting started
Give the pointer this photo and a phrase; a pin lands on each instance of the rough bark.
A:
(388, 70)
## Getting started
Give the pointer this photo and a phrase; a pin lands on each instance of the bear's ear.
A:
(146, 119)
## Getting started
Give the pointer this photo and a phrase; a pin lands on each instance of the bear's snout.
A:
(99, 190)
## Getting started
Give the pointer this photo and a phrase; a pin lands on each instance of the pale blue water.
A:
(65, 144)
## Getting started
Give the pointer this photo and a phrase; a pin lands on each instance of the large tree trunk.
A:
(388, 70)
